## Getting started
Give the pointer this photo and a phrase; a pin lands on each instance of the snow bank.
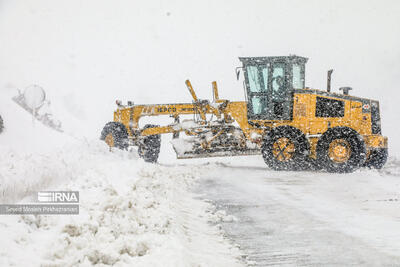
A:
(30, 153)
(131, 213)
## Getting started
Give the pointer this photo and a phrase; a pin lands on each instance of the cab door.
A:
(281, 97)
(256, 79)
(269, 94)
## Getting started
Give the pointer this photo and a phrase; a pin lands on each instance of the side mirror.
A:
(237, 72)
(328, 85)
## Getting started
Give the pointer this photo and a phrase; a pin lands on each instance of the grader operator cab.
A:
(270, 82)
(293, 127)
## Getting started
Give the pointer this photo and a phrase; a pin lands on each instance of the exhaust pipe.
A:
(328, 86)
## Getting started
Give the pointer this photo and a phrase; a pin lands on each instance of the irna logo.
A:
(58, 196)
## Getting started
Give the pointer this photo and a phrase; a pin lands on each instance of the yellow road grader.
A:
(292, 126)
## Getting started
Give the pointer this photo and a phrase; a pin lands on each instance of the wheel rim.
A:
(339, 151)
(283, 149)
(109, 140)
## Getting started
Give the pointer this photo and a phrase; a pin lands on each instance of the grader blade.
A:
(184, 149)
(210, 154)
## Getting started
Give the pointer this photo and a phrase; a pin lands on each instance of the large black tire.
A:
(377, 158)
(1, 124)
(115, 135)
(149, 147)
(350, 146)
(292, 154)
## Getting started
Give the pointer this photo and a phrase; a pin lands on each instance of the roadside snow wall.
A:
(131, 213)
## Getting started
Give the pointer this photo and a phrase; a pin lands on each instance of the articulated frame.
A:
(225, 111)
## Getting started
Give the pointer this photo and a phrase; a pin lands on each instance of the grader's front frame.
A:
(207, 133)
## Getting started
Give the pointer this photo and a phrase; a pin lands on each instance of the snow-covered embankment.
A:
(131, 213)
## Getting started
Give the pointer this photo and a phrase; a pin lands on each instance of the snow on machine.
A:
(292, 126)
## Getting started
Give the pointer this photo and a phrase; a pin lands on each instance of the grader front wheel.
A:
(114, 134)
(109, 140)
(149, 147)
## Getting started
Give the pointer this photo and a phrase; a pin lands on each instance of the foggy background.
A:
(86, 54)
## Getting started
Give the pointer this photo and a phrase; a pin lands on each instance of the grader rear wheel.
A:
(341, 149)
(286, 148)
(377, 158)
(283, 149)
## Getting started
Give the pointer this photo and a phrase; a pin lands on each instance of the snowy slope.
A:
(28, 152)
(131, 213)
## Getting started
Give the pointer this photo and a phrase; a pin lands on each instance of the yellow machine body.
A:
(304, 118)
(277, 100)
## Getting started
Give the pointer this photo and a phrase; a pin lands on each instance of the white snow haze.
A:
(86, 54)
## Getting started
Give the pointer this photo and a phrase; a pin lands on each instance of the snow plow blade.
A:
(220, 153)
(206, 154)
(189, 149)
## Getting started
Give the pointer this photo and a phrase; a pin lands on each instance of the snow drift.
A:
(131, 213)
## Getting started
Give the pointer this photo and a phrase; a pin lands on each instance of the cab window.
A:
(254, 79)
(278, 82)
(265, 74)
(258, 105)
(298, 82)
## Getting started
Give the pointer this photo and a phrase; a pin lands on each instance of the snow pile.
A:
(221, 216)
(182, 145)
(31, 154)
(131, 213)
(24, 173)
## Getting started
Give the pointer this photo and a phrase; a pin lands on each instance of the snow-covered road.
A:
(308, 219)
